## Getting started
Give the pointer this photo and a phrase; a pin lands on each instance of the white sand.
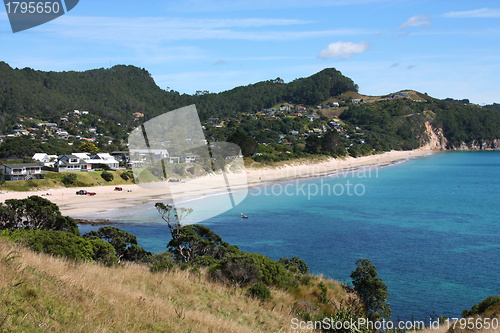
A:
(132, 195)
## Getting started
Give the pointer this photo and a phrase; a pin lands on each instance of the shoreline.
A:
(109, 201)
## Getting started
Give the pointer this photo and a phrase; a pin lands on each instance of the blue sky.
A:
(445, 48)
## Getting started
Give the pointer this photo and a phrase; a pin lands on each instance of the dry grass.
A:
(40, 293)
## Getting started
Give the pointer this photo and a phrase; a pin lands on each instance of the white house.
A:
(71, 163)
(103, 158)
(46, 160)
(189, 158)
(22, 171)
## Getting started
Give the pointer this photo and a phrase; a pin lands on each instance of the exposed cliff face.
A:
(437, 141)
(478, 145)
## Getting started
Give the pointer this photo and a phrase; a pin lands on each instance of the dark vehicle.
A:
(118, 189)
(81, 192)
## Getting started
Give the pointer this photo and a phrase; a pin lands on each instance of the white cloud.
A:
(416, 21)
(477, 13)
(343, 49)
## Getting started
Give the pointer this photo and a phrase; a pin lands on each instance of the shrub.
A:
(107, 176)
(272, 272)
(204, 261)
(103, 252)
(248, 268)
(161, 262)
(58, 243)
(482, 306)
(65, 244)
(295, 264)
(238, 269)
(127, 175)
(260, 291)
(69, 179)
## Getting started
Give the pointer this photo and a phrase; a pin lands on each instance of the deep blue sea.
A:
(431, 226)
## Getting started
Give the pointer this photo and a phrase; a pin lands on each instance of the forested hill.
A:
(116, 93)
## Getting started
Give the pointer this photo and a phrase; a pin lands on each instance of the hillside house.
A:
(103, 158)
(71, 163)
(189, 158)
(45, 159)
(22, 171)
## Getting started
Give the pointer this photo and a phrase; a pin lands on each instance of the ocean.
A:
(431, 226)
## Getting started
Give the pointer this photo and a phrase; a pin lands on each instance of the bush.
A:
(69, 179)
(238, 269)
(204, 261)
(107, 176)
(482, 306)
(103, 252)
(294, 265)
(260, 291)
(272, 272)
(161, 262)
(127, 175)
(58, 243)
(248, 268)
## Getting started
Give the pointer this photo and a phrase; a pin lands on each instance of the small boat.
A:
(243, 216)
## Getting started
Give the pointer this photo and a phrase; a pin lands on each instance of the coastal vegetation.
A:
(272, 121)
(55, 279)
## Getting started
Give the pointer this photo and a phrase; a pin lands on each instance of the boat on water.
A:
(243, 216)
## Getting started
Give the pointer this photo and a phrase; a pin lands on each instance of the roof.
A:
(21, 165)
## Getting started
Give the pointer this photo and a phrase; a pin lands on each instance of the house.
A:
(19, 132)
(44, 159)
(121, 155)
(356, 100)
(22, 171)
(335, 105)
(103, 158)
(294, 132)
(189, 158)
(71, 163)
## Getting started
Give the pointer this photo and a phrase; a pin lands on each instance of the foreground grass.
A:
(41, 293)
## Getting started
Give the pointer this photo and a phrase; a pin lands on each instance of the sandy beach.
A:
(107, 199)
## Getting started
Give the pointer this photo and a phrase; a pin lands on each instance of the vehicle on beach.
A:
(91, 193)
(118, 188)
(81, 192)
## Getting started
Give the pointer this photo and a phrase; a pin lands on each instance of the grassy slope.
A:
(53, 180)
(40, 293)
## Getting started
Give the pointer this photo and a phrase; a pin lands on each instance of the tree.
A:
(124, 243)
(247, 144)
(371, 289)
(190, 242)
(35, 212)
(88, 147)
(332, 144)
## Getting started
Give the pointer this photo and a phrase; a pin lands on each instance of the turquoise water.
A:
(430, 225)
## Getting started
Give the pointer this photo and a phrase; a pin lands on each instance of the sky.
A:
(446, 48)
